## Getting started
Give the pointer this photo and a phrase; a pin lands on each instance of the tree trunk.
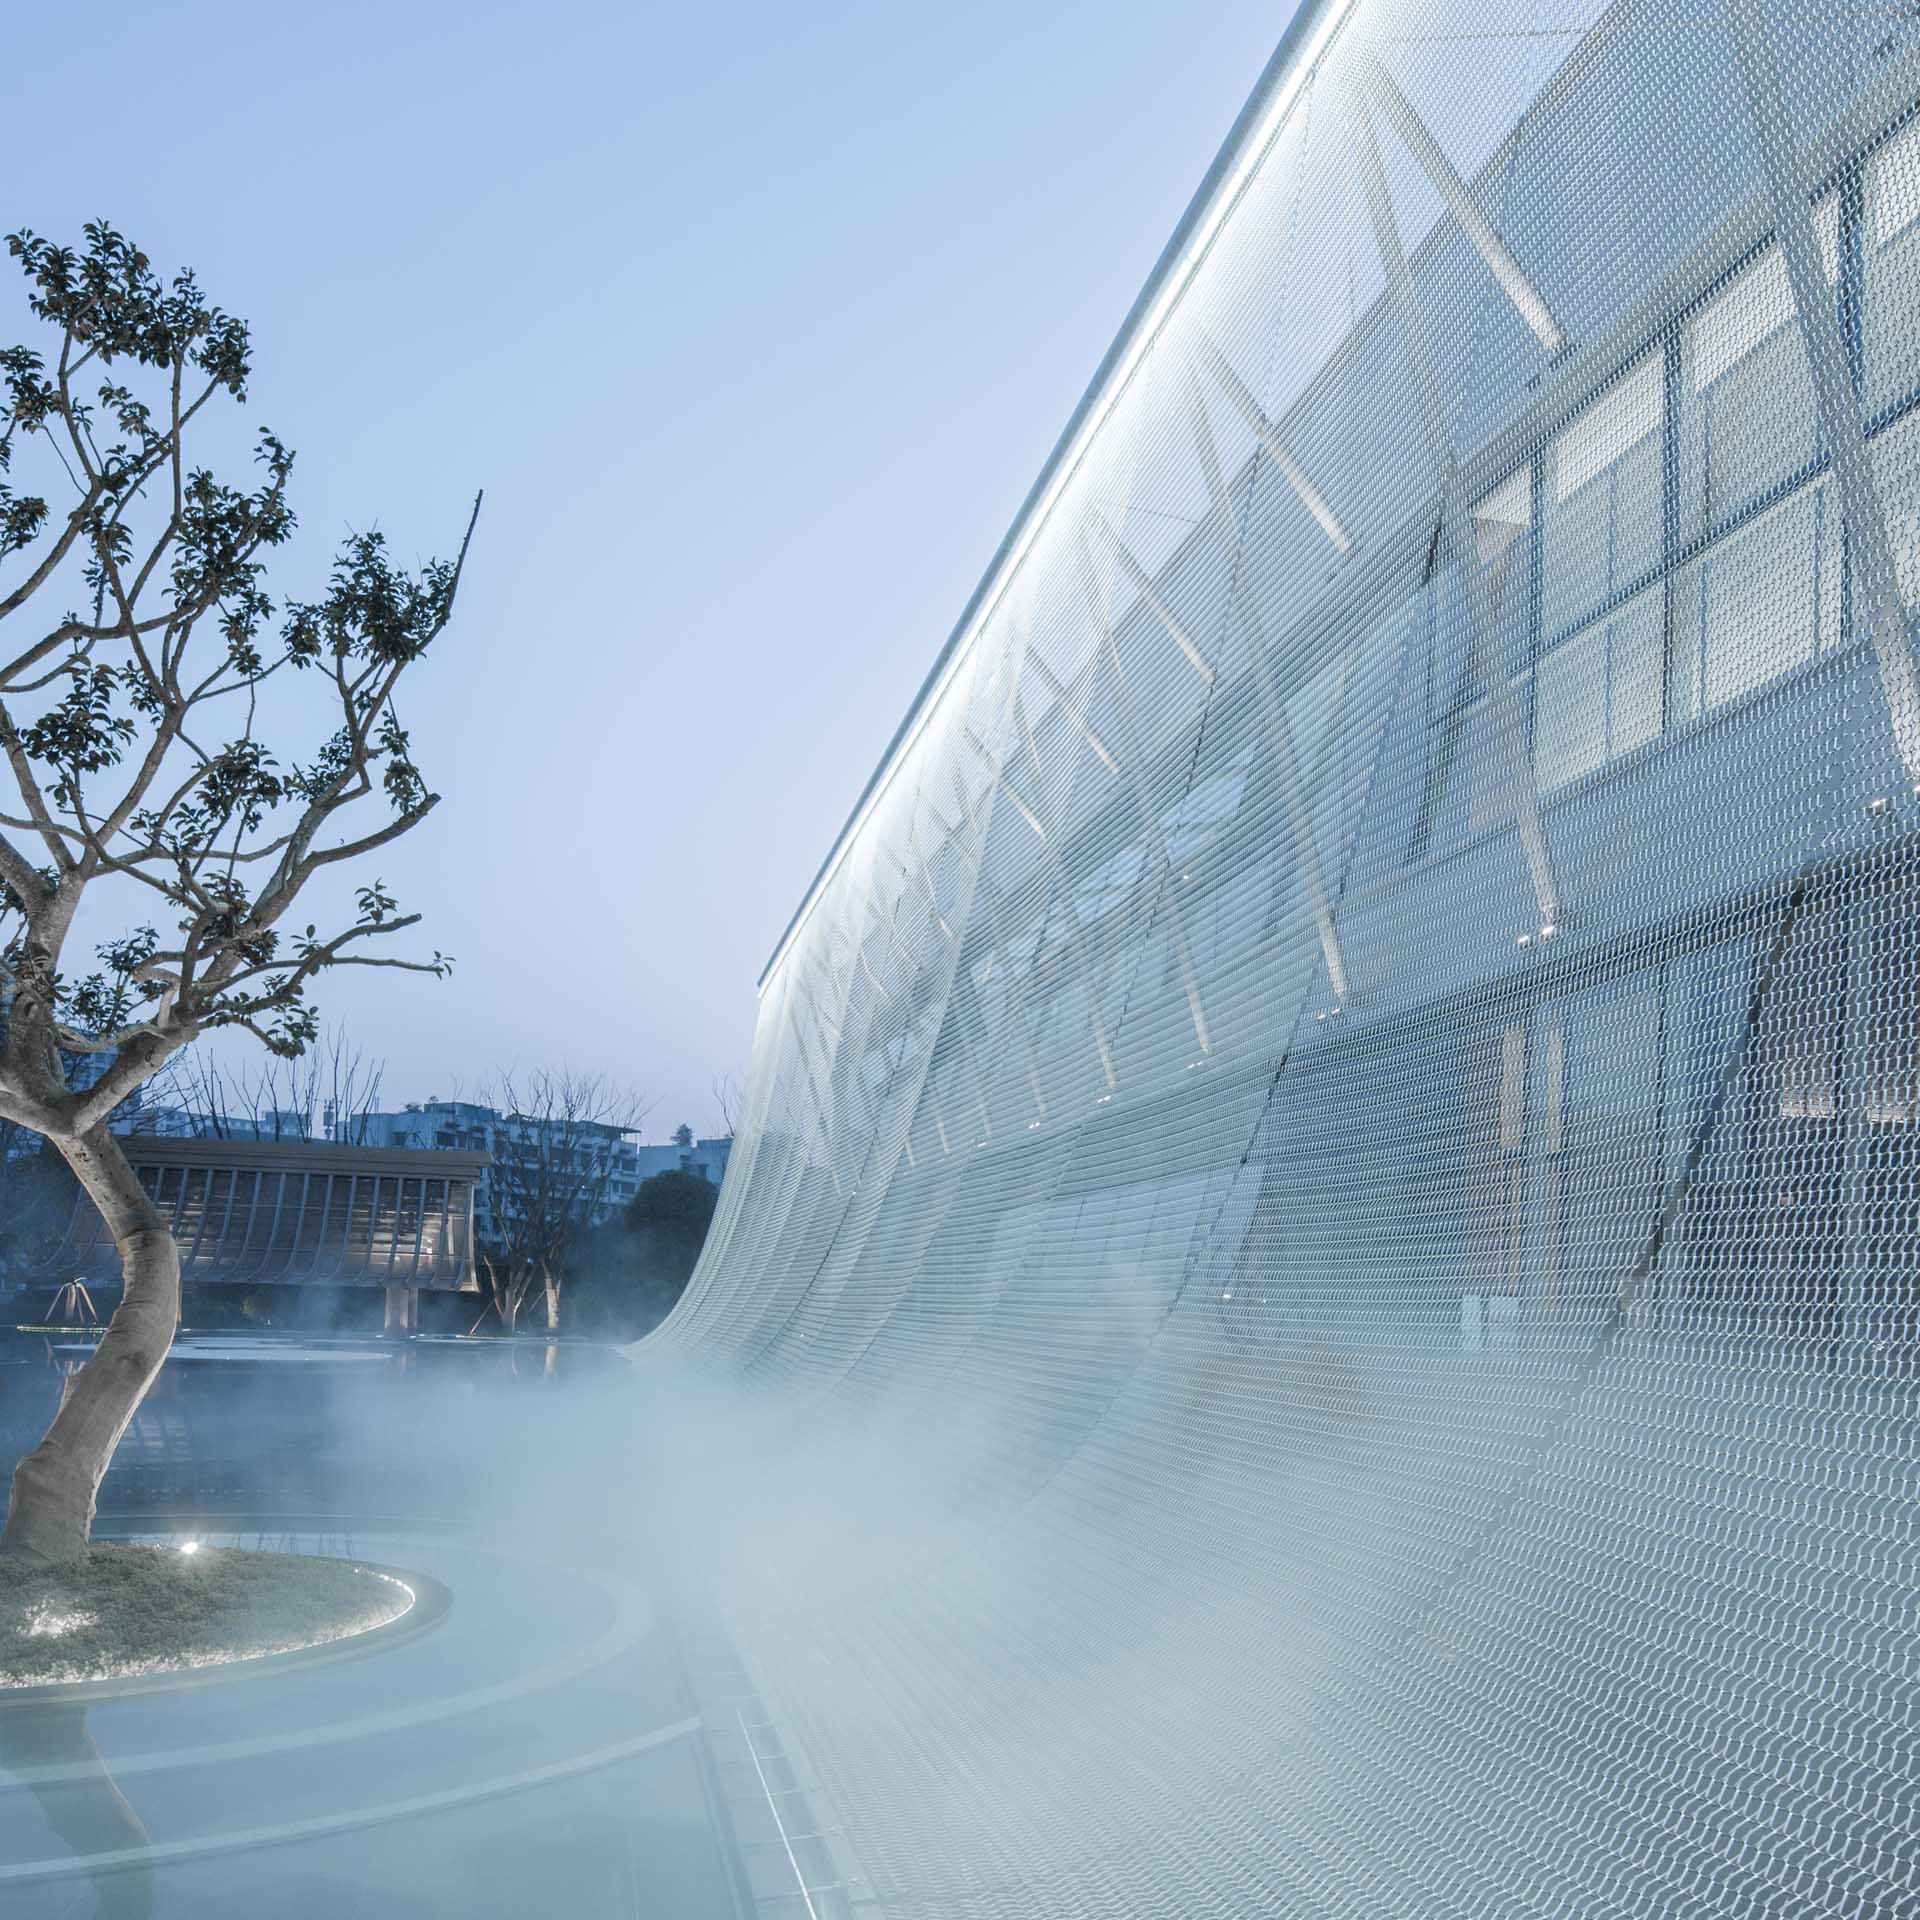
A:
(502, 1293)
(51, 1512)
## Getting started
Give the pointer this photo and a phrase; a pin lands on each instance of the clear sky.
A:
(755, 321)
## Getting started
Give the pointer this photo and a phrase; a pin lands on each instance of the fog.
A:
(1233, 1621)
(530, 1742)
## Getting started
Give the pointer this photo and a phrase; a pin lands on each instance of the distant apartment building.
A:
(514, 1139)
(597, 1154)
(707, 1158)
(607, 1162)
(164, 1122)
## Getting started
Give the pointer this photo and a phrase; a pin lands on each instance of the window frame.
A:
(1846, 185)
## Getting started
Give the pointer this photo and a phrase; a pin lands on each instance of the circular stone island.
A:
(141, 1613)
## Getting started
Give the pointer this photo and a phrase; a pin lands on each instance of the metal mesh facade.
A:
(1321, 1262)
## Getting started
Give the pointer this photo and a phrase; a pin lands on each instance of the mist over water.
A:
(531, 1744)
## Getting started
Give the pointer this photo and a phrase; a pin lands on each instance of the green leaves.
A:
(31, 397)
(103, 1001)
(292, 1030)
(137, 729)
(108, 298)
(373, 611)
(376, 904)
(220, 531)
(237, 789)
(21, 518)
(398, 775)
(82, 733)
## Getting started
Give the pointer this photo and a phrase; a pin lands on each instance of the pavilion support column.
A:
(403, 1311)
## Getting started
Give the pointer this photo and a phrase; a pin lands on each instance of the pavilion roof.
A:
(293, 1213)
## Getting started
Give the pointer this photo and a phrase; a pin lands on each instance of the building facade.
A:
(706, 1158)
(588, 1160)
(602, 1164)
(292, 1213)
(1342, 1115)
(611, 1163)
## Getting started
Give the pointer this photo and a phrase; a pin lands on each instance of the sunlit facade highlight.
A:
(1329, 1196)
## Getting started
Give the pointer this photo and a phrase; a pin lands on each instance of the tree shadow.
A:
(52, 1752)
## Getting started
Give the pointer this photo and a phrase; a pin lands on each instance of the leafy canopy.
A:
(145, 723)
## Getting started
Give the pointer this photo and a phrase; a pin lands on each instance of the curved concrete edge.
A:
(431, 1602)
(632, 1619)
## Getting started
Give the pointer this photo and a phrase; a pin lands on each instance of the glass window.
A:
(1502, 526)
(1315, 708)
(1194, 820)
(1037, 1023)
(1882, 1085)
(1021, 949)
(1110, 885)
(1602, 520)
(1570, 709)
(1637, 665)
(1466, 787)
(1597, 1179)
(1758, 604)
(1791, 1165)
(1470, 775)
(1598, 695)
(1892, 271)
(1896, 462)
(1492, 1075)
(1748, 421)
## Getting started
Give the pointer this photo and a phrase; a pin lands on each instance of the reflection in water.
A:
(53, 1754)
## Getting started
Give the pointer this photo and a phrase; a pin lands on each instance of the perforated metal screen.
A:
(1319, 1280)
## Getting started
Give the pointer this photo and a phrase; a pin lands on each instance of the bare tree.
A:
(325, 1093)
(555, 1157)
(726, 1096)
(134, 715)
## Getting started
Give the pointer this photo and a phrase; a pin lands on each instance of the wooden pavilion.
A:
(296, 1213)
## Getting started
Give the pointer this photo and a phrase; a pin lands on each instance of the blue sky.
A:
(755, 323)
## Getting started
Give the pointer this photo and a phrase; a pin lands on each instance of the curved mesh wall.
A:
(1315, 1309)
